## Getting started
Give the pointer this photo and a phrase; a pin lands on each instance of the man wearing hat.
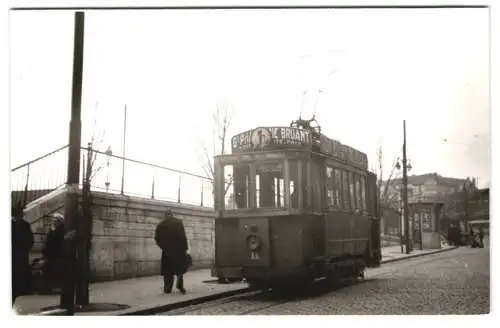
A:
(170, 236)
(22, 242)
(53, 251)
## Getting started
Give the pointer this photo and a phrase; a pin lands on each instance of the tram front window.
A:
(269, 186)
(298, 181)
(236, 186)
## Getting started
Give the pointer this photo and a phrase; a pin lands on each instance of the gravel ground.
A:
(453, 282)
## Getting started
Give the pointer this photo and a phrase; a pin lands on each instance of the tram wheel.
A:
(257, 284)
(359, 274)
(332, 278)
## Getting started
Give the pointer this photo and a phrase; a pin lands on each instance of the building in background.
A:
(467, 208)
(430, 186)
(433, 188)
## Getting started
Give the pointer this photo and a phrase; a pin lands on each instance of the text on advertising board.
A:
(261, 138)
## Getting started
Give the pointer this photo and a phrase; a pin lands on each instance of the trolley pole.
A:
(71, 223)
(405, 193)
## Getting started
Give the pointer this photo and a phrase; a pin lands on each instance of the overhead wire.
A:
(321, 88)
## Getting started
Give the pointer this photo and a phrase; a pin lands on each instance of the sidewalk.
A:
(393, 253)
(140, 294)
(135, 294)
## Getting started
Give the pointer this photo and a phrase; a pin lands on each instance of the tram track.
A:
(258, 300)
(252, 302)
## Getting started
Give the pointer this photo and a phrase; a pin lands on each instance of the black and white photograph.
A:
(227, 161)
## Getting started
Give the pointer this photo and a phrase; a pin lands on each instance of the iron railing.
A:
(113, 174)
(116, 174)
(39, 176)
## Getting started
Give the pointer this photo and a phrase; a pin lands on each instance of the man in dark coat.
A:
(170, 236)
(53, 251)
(22, 242)
(454, 234)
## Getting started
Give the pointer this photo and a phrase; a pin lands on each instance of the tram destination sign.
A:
(266, 138)
(269, 138)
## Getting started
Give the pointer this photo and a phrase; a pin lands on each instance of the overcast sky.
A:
(375, 67)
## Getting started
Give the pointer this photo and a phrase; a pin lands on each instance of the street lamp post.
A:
(405, 192)
(401, 207)
(108, 154)
(400, 224)
(406, 167)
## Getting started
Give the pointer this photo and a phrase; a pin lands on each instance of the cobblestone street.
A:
(454, 282)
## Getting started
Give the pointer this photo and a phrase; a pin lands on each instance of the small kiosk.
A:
(424, 224)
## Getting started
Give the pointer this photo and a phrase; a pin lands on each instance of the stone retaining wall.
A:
(123, 243)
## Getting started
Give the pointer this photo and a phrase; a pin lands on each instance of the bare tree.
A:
(387, 197)
(85, 241)
(221, 121)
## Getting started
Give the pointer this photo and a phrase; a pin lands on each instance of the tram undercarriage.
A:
(270, 277)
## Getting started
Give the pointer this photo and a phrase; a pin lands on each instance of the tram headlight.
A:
(253, 242)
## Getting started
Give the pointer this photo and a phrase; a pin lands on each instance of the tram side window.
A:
(330, 186)
(270, 186)
(345, 191)
(351, 190)
(358, 192)
(334, 184)
(363, 194)
(236, 183)
(305, 185)
(338, 184)
(317, 184)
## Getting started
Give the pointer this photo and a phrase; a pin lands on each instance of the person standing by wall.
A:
(53, 252)
(170, 236)
(22, 242)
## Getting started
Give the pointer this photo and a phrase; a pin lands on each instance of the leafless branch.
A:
(386, 198)
(387, 183)
(95, 141)
(380, 159)
(208, 167)
(221, 120)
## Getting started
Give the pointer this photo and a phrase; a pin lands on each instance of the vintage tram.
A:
(293, 205)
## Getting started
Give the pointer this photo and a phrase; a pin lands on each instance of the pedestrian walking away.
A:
(170, 236)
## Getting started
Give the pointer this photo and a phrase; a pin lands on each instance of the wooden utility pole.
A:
(420, 224)
(405, 193)
(400, 223)
(71, 205)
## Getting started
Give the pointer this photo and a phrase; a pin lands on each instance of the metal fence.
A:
(39, 176)
(113, 174)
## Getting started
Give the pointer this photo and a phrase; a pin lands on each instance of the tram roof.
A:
(287, 138)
